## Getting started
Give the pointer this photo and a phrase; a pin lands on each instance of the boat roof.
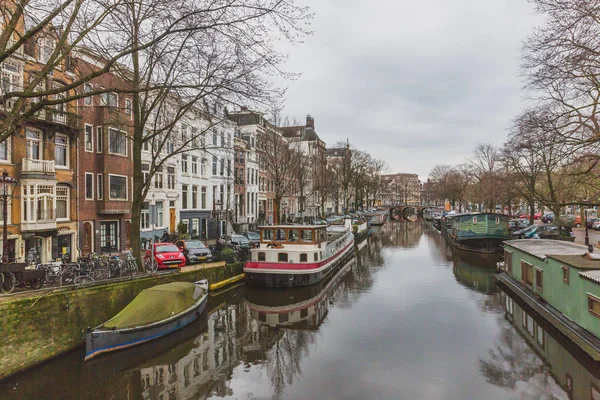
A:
(292, 226)
(543, 248)
(591, 275)
(577, 261)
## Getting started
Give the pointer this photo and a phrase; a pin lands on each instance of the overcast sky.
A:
(413, 82)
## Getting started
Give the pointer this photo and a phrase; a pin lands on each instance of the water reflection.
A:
(539, 361)
(399, 313)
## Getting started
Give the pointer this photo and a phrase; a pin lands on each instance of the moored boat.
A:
(479, 232)
(378, 218)
(153, 313)
(298, 255)
(360, 228)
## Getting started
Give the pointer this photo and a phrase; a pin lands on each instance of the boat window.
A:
(284, 317)
(508, 261)
(306, 235)
(539, 279)
(303, 257)
(280, 235)
(282, 257)
(594, 305)
(267, 235)
(304, 313)
(474, 220)
(293, 235)
(262, 317)
(565, 271)
(527, 274)
(316, 256)
(261, 256)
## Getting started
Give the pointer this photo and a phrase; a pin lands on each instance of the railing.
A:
(31, 165)
(59, 117)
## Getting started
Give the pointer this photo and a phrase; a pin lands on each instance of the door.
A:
(171, 220)
(109, 234)
(87, 238)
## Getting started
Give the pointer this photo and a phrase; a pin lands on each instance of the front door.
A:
(109, 242)
(171, 220)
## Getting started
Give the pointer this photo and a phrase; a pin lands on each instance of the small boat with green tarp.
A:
(154, 313)
(479, 232)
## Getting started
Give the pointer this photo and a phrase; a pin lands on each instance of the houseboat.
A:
(297, 308)
(298, 255)
(361, 227)
(378, 218)
(560, 281)
(479, 232)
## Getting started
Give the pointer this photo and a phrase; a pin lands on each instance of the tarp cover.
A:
(155, 304)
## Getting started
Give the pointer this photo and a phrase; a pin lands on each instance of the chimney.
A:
(310, 122)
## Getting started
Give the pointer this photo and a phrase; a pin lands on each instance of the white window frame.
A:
(66, 188)
(110, 142)
(8, 151)
(44, 44)
(85, 141)
(85, 194)
(99, 139)
(126, 188)
(129, 108)
(160, 216)
(66, 148)
(89, 100)
(39, 140)
(145, 216)
(99, 186)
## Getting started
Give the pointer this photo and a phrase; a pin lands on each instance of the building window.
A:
(184, 197)
(158, 178)
(203, 198)
(282, 257)
(203, 167)
(45, 49)
(34, 144)
(508, 261)
(88, 137)
(228, 167)
(89, 186)
(87, 88)
(62, 202)
(45, 203)
(194, 232)
(222, 167)
(539, 280)
(527, 274)
(61, 150)
(565, 274)
(5, 151)
(194, 197)
(145, 216)
(214, 165)
(215, 138)
(303, 257)
(117, 142)
(145, 173)
(184, 164)
(527, 321)
(194, 165)
(109, 99)
(170, 177)
(99, 187)
(159, 213)
(118, 187)
(128, 107)
(99, 140)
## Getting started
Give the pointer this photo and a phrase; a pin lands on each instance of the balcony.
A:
(41, 166)
(45, 221)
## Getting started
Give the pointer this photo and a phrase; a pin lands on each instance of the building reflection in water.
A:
(539, 355)
(400, 234)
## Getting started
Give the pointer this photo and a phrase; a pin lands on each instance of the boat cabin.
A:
(291, 244)
(294, 234)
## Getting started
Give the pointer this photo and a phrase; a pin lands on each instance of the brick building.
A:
(105, 162)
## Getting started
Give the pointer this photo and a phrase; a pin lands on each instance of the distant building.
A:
(400, 189)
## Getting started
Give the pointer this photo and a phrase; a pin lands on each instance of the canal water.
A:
(406, 319)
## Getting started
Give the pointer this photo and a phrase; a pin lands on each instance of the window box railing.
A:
(31, 165)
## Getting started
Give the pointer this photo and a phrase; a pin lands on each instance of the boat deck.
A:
(584, 339)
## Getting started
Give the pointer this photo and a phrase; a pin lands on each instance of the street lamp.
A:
(9, 184)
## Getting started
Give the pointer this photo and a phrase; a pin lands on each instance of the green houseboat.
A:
(561, 282)
(479, 232)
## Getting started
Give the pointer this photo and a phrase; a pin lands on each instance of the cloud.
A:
(415, 83)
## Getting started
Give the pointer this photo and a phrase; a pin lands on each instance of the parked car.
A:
(166, 255)
(542, 232)
(237, 241)
(537, 215)
(596, 225)
(517, 224)
(547, 218)
(590, 222)
(194, 251)
(253, 238)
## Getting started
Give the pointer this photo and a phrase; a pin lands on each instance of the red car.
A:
(166, 255)
(537, 215)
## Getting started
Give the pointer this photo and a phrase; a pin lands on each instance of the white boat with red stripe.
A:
(298, 255)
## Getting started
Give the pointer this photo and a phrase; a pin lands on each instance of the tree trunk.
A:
(531, 211)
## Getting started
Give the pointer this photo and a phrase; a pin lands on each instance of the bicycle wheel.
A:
(50, 275)
(150, 267)
(68, 274)
(100, 273)
(36, 283)
(83, 279)
(9, 282)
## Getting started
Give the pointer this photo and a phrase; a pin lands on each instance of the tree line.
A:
(551, 155)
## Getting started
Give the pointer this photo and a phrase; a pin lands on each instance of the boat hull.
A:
(360, 236)
(291, 277)
(479, 245)
(104, 341)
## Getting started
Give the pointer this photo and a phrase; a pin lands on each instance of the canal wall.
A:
(36, 328)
